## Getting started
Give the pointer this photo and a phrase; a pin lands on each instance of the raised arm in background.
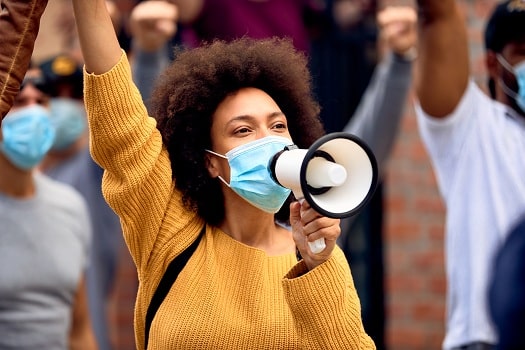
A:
(442, 69)
(19, 25)
(152, 24)
(189, 10)
(379, 113)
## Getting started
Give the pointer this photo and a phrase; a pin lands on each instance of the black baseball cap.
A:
(63, 70)
(505, 25)
(38, 82)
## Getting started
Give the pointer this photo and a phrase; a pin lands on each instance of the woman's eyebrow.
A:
(248, 117)
(243, 117)
(276, 114)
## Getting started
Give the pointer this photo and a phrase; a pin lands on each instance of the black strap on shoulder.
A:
(173, 270)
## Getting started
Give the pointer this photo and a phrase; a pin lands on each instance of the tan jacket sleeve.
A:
(19, 25)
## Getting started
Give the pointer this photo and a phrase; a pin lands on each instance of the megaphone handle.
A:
(318, 245)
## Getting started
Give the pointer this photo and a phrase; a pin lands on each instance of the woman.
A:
(218, 109)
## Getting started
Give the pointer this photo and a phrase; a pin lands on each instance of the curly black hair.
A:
(187, 94)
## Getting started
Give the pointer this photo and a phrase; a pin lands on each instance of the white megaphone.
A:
(337, 176)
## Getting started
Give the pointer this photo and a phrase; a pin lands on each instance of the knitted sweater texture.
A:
(230, 295)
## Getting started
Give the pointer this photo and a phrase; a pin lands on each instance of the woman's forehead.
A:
(247, 102)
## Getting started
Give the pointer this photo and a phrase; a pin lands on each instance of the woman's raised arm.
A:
(98, 40)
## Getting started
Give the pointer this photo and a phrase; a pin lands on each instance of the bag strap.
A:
(173, 270)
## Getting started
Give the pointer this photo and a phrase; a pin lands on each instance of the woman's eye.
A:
(242, 130)
(279, 126)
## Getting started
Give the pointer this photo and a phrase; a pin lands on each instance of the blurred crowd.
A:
(361, 57)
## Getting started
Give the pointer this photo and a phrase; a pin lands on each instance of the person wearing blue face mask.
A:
(45, 237)
(70, 162)
(476, 142)
(198, 208)
(68, 116)
(63, 77)
(27, 135)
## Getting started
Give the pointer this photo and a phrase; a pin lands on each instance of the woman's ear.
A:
(212, 165)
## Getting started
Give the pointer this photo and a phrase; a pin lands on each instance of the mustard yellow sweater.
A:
(230, 295)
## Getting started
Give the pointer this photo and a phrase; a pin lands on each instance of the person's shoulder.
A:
(45, 181)
(58, 192)
(476, 101)
(472, 98)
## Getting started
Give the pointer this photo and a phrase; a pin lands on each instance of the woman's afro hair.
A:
(188, 92)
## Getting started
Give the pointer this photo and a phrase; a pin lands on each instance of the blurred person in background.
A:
(476, 143)
(70, 162)
(45, 236)
(507, 290)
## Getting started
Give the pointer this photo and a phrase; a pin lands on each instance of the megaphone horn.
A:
(337, 175)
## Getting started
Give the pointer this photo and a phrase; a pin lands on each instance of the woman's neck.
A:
(255, 228)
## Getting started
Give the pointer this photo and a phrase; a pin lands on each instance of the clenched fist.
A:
(153, 23)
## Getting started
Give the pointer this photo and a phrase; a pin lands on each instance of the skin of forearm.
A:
(432, 10)
(98, 40)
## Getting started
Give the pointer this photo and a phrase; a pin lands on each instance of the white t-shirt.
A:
(478, 155)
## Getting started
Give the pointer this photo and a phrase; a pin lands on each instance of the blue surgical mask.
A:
(68, 116)
(27, 136)
(519, 72)
(250, 177)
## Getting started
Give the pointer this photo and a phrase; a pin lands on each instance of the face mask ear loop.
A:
(216, 154)
(221, 156)
(512, 94)
(223, 181)
(507, 90)
(504, 63)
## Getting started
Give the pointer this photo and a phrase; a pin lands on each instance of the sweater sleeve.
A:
(325, 306)
(378, 116)
(124, 140)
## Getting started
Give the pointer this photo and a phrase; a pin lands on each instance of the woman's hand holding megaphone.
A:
(308, 226)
